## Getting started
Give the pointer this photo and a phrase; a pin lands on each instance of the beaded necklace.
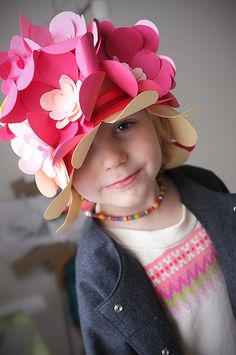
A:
(134, 216)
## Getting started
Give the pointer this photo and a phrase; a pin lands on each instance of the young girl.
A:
(89, 109)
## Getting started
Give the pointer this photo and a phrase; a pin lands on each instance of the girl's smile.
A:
(126, 182)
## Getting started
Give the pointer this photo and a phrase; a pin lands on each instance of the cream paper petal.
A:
(184, 132)
(58, 205)
(82, 148)
(182, 129)
(167, 111)
(23, 166)
(2, 106)
(73, 211)
(143, 100)
(46, 185)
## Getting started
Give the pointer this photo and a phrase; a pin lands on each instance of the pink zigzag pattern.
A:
(189, 276)
(199, 296)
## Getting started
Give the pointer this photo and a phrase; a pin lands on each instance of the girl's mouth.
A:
(127, 181)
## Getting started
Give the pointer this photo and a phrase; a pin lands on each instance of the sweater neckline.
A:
(161, 238)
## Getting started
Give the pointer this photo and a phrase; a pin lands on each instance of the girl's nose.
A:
(112, 156)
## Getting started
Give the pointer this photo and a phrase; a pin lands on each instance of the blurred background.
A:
(200, 37)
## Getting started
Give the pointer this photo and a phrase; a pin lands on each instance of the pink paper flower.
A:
(63, 103)
(16, 65)
(134, 48)
(48, 71)
(57, 103)
(62, 34)
(36, 159)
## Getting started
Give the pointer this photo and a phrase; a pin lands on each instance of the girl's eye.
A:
(124, 126)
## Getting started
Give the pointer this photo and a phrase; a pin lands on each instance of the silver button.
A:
(165, 352)
(118, 308)
(234, 208)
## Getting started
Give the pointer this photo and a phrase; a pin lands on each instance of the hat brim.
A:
(182, 132)
(141, 101)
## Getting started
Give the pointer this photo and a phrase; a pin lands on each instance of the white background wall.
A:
(199, 36)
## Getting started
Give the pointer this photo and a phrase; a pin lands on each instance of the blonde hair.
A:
(164, 134)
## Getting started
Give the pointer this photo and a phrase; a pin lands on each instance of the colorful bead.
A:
(134, 216)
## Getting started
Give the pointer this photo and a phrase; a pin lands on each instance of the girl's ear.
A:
(87, 205)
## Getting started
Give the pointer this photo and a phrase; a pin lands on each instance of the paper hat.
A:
(63, 81)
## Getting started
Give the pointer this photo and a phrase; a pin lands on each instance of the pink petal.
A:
(52, 67)
(165, 77)
(62, 47)
(171, 99)
(121, 76)
(89, 92)
(14, 111)
(67, 25)
(37, 33)
(124, 43)
(25, 25)
(46, 185)
(150, 37)
(44, 127)
(6, 134)
(6, 86)
(92, 27)
(65, 148)
(26, 75)
(148, 61)
(31, 45)
(80, 25)
(148, 24)
(11, 99)
(145, 85)
(168, 59)
(40, 35)
(17, 45)
(105, 28)
(86, 56)
(66, 134)
(3, 56)
(31, 95)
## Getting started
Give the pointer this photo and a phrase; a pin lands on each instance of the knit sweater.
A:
(182, 264)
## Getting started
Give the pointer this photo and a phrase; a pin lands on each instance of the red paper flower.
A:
(134, 49)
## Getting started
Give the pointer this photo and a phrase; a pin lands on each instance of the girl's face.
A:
(120, 169)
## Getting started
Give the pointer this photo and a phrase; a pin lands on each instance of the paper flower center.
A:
(63, 104)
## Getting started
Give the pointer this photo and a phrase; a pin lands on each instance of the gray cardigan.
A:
(119, 311)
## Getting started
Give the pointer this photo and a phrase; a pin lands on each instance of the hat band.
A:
(111, 102)
(188, 148)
